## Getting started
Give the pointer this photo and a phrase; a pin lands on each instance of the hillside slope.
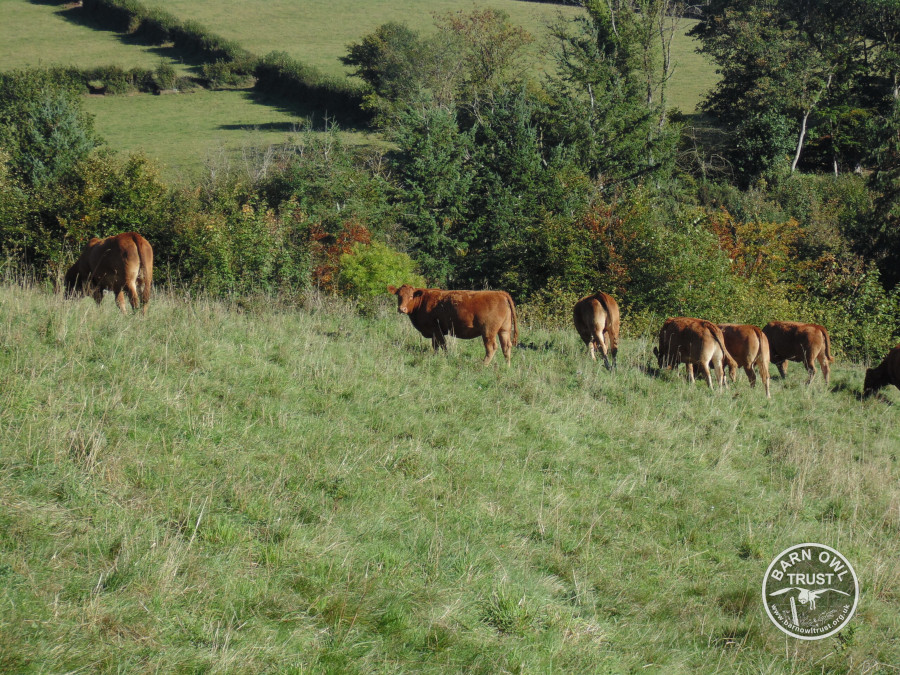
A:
(261, 488)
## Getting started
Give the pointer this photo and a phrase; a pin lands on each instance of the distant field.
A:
(37, 34)
(184, 131)
(318, 31)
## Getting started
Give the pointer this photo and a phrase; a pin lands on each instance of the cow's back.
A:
(795, 341)
(465, 314)
(745, 343)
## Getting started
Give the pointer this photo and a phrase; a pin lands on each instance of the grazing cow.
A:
(748, 346)
(803, 342)
(117, 263)
(694, 341)
(597, 322)
(465, 314)
(887, 372)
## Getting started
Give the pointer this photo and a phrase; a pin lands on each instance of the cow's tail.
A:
(720, 340)
(827, 344)
(612, 321)
(762, 356)
(515, 319)
(145, 257)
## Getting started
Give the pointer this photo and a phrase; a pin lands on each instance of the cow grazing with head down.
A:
(887, 372)
(694, 341)
(464, 314)
(596, 319)
(119, 263)
(803, 342)
(749, 347)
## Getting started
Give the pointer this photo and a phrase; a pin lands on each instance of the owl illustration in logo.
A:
(806, 595)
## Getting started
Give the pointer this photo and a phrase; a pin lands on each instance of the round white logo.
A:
(810, 591)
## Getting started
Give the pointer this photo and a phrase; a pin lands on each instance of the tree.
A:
(819, 65)
(43, 127)
(603, 103)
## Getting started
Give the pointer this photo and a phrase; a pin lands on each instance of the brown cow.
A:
(117, 263)
(803, 342)
(887, 372)
(689, 341)
(595, 316)
(466, 314)
(748, 346)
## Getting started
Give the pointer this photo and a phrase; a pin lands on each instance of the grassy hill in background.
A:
(266, 488)
(182, 132)
(48, 34)
(185, 132)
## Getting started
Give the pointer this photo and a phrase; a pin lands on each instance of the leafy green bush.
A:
(367, 271)
(165, 76)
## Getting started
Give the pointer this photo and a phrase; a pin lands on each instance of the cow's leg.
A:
(826, 367)
(690, 371)
(438, 340)
(720, 371)
(133, 296)
(811, 369)
(490, 346)
(604, 349)
(585, 334)
(506, 345)
(751, 374)
(97, 294)
(120, 299)
(704, 368)
(764, 375)
(782, 369)
(614, 351)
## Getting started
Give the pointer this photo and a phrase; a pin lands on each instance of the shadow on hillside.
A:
(75, 14)
(266, 126)
(315, 117)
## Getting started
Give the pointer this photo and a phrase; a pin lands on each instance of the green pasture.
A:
(318, 31)
(47, 34)
(274, 486)
(186, 132)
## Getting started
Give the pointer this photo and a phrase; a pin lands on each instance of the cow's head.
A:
(659, 357)
(873, 382)
(73, 283)
(407, 297)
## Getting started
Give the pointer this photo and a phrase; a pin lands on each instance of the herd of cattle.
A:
(124, 262)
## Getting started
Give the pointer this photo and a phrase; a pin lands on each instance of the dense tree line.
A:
(548, 188)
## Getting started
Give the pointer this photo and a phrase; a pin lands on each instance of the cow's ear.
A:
(392, 290)
(419, 293)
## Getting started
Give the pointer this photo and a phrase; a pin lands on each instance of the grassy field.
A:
(266, 488)
(47, 34)
(184, 132)
(318, 31)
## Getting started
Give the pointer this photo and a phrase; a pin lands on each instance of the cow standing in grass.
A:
(749, 347)
(596, 319)
(803, 342)
(887, 372)
(694, 342)
(119, 263)
(465, 314)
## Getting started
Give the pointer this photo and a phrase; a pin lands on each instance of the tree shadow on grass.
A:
(76, 14)
(315, 117)
(265, 126)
